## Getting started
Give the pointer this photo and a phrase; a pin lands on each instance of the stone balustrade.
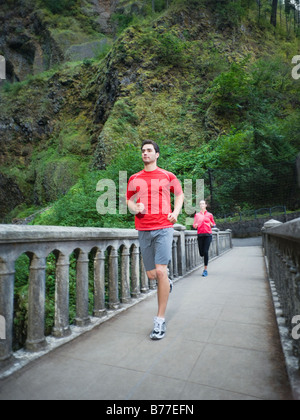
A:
(118, 270)
(281, 242)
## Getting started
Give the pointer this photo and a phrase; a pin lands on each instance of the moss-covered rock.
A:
(179, 77)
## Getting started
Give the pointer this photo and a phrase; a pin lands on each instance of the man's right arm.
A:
(131, 204)
(133, 195)
(135, 208)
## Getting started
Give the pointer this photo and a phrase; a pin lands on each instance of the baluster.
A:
(213, 252)
(82, 290)
(36, 305)
(7, 278)
(293, 271)
(61, 321)
(113, 280)
(181, 250)
(187, 255)
(218, 243)
(171, 267)
(144, 277)
(135, 272)
(296, 344)
(125, 281)
(190, 254)
(175, 259)
(297, 290)
(194, 253)
(99, 284)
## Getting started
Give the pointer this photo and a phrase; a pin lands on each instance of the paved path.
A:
(222, 343)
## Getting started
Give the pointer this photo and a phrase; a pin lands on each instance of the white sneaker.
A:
(159, 330)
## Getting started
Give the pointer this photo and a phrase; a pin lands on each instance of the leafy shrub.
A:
(228, 12)
(122, 21)
(59, 6)
(231, 90)
(171, 49)
(166, 47)
(78, 206)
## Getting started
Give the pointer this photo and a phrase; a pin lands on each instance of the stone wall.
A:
(281, 244)
(252, 228)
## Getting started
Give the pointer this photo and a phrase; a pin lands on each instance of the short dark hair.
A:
(155, 145)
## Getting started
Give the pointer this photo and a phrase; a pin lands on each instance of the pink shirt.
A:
(205, 221)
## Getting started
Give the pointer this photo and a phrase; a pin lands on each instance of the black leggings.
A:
(204, 244)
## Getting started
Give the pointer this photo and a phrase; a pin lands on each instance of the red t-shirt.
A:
(204, 222)
(153, 190)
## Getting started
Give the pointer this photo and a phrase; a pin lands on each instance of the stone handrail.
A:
(116, 256)
(281, 242)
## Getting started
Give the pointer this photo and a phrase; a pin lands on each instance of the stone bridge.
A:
(232, 335)
(118, 274)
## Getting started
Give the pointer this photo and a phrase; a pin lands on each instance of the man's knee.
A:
(161, 271)
(152, 275)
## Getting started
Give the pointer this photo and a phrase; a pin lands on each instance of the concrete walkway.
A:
(222, 343)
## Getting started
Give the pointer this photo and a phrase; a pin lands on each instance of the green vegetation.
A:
(209, 81)
(60, 6)
(214, 100)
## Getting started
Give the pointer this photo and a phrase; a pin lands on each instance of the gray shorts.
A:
(156, 247)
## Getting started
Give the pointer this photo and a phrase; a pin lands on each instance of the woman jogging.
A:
(203, 222)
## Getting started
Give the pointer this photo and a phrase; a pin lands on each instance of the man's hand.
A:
(173, 217)
(140, 207)
(134, 207)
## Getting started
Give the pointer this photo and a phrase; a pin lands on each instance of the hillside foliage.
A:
(209, 81)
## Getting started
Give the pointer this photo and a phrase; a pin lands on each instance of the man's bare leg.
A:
(161, 275)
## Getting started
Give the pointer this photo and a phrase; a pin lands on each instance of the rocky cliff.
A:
(32, 40)
(162, 80)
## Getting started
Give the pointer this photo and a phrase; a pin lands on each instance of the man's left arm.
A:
(173, 217)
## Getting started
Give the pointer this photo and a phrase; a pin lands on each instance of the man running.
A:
(148, 197)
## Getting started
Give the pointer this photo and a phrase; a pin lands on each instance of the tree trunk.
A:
(259, 9)
(274, 13)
